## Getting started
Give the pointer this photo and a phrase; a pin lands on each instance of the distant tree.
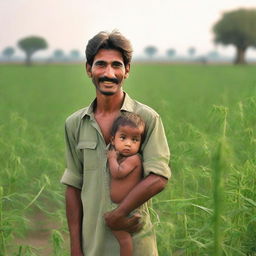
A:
(202, 59)
(237, 28)
(191, 51)
(75, 54)
(171, 52)
(150, 50)
(30, 45)
(8, 52)
(213, 54)
(58, 54)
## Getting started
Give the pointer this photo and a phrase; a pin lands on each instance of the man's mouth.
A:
(107, 80)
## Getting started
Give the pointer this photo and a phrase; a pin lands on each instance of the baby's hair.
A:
(129, 119)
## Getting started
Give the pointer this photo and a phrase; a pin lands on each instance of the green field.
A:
(209, 114)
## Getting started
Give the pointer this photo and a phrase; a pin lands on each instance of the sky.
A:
(166, 24)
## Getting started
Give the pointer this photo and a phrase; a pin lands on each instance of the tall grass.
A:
(220, 165)
(209, 206)
(25, 183)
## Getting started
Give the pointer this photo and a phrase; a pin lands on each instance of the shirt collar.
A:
(89, 110)
(128, 105)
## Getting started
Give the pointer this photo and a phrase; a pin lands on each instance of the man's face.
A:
(108, 71)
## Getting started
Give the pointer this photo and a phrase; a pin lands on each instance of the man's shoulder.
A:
(146, 112)
(75, 118)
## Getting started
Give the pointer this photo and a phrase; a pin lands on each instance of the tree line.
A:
(32, 44)
(171, 52)
(237, 28)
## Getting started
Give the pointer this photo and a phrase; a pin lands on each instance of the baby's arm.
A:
(119, 171)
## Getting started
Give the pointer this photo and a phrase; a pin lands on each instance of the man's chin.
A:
(107, 93)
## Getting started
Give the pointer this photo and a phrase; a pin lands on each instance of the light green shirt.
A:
(87, 170)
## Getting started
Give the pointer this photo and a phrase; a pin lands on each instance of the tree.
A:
(213, 54)
(171, 52)
(30, 45)
(8, 52)
(75, 54)
(150, 51)
(191, 51)
(237, 28)
(58, 54)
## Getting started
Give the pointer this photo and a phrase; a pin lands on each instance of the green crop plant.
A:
(220, 166)
(57, 243)
(209, 115)
(2, 234)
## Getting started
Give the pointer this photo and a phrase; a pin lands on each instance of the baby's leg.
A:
(125, 241)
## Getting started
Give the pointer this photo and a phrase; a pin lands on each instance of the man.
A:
(88, 204)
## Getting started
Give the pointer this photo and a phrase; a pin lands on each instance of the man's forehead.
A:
(108, 55)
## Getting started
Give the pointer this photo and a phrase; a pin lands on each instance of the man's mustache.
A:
(107, 79)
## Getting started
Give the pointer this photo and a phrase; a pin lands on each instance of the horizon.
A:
(164, 24)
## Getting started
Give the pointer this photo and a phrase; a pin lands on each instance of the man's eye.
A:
(117, 64)
(100, 64)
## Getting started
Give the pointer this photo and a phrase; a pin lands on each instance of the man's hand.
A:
(117, 221)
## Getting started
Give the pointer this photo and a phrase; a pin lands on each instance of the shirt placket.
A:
(104, 164)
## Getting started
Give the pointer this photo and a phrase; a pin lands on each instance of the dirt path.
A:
(39, 235)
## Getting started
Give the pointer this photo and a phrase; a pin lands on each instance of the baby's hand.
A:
(112, 154)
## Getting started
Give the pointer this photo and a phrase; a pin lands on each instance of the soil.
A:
(39, 234)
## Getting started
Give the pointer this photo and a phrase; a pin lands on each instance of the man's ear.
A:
(127, 70)
(88, 68)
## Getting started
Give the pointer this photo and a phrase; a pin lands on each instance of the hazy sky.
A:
(68, 24)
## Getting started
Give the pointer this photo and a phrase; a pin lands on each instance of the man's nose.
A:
(109, 72)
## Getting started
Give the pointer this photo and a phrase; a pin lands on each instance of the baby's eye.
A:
(135, 140)
(122, 137)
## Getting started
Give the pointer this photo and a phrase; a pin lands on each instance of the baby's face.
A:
(127, 140)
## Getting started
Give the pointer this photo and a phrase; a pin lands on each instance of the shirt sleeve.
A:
(73, 174)
(156, 154)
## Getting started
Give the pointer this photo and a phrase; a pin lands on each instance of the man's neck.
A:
(107, 104)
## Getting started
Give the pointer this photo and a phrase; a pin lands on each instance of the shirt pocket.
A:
(90, 155)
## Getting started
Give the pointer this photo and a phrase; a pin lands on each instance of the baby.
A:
(125, 166)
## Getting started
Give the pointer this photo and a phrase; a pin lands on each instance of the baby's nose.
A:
(128, 143)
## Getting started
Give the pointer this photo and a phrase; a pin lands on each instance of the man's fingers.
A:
(124, 223)
(135, 219)
(137, 215)
(134, 224)
(135, 228)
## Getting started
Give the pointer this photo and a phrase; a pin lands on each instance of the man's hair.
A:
(128, 119)
(111, 41)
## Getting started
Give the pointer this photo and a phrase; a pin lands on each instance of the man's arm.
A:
(74, 213)
(142, 192)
